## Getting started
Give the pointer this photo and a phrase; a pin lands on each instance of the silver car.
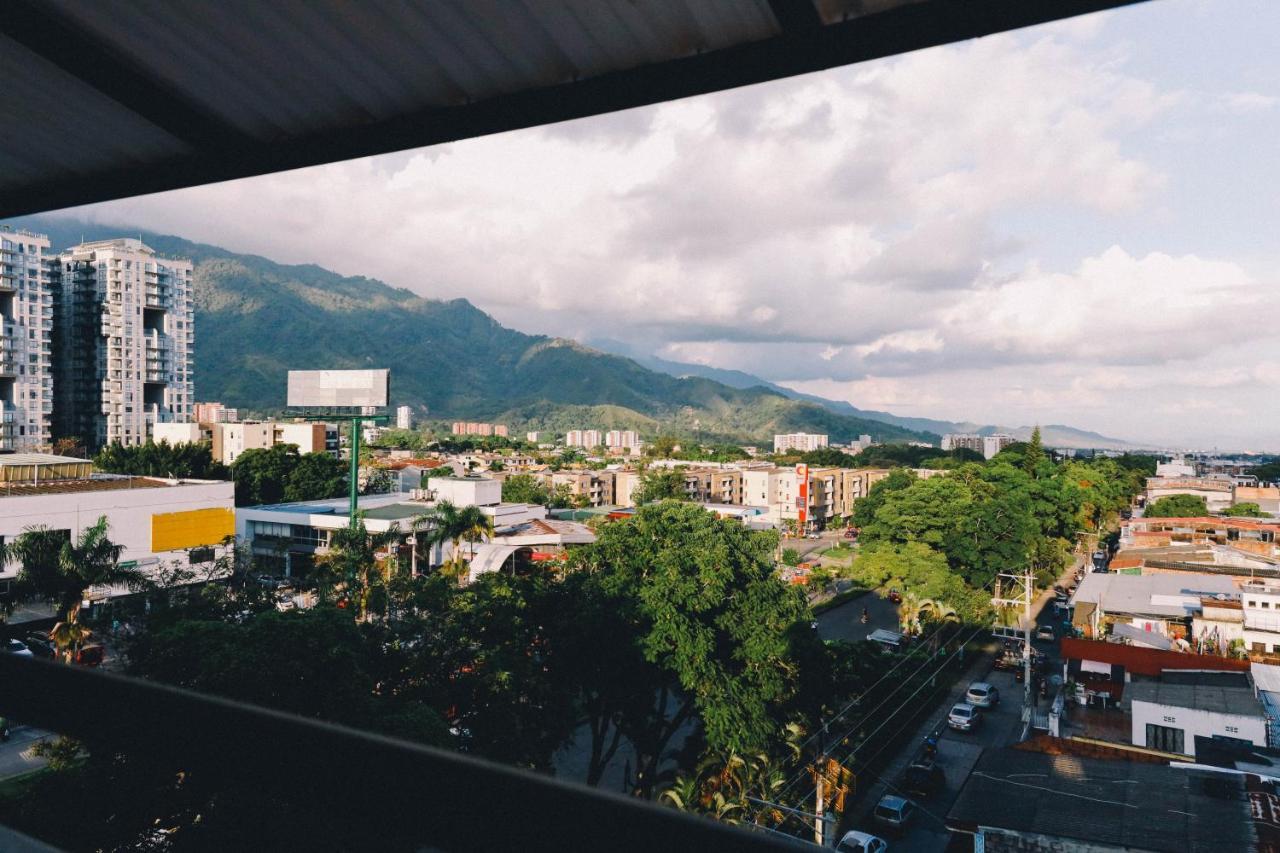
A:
(964, 717)
(982, 695)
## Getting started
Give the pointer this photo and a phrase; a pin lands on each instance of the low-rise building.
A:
(159, 523)
(1165, 604)
(1216, 492)
(1169, 714)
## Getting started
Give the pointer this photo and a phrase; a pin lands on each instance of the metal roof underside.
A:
(117, 98)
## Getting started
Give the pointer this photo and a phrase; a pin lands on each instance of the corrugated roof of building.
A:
(1140, 661)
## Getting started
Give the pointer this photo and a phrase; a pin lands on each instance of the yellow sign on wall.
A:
(194, 528)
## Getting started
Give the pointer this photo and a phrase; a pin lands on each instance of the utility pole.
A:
(819, 836)
(1020, 597)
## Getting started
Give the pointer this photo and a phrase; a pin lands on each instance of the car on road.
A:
(923, 778)
(813, 536)
(851, 534)
(894, 597)
(1046, 632)
(982, 695)
(17, 647)
(862, 842)
(40, 644)
(91, 655)
(964, 717)
(894, 812)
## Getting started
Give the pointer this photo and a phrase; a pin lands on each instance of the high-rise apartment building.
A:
(404, 418)
(801, 441)
(987, 445)
(587, 438)
(125, 341)
(622, 438)
(26, 343)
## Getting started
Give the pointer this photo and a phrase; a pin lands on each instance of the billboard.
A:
(323, 389)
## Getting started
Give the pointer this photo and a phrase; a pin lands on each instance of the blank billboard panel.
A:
(338, 388)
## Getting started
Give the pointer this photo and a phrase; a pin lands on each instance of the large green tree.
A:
(660, 484)
(1177, 506)
(700, 598)
(279, 473)
(160, 460)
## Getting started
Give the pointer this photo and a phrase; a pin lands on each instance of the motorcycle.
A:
(866, 617)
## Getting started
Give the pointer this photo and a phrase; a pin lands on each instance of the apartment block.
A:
(404, 418)
(595, 486)
(482, 429)
(125, 342)
(214, 413)
(622, 438)
(987, 445)
(26, 343)
(799, 441)
(586, 438)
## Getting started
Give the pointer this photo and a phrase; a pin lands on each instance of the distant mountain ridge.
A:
(256, 319)
(1054, 435)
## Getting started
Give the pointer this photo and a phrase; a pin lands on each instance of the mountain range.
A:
(256, 319)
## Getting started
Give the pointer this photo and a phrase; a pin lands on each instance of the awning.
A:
(489, 557)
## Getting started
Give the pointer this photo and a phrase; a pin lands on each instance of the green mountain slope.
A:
(256, 319)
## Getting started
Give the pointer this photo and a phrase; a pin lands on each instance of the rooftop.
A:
(94, 484)
(1198, 694)
(1171, 595)
(1117, 804)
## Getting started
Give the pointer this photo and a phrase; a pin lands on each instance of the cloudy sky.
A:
(1069, 224)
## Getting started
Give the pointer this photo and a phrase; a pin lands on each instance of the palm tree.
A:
(58, 569)
(448, 523)
(476, 527)
(352, 559)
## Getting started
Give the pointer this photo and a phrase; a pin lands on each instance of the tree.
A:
(660, 484)
(525, 489)
(352, 563)
(864, 510)
(1246, 509)
(662, 447)
(56, 568)
(1177, 506)
(279, 473)
(924, 578)
(316, 476)
(701, 599)
(790, 557)
(160, 460)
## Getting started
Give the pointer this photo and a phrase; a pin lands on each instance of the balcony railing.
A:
(398, 790)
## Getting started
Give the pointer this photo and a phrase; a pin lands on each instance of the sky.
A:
(1070, 224)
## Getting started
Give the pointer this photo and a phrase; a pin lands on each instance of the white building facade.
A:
(126, 324)
(799, 441)
(26, 345)
(404, 417)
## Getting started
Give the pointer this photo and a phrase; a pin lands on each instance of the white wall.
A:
(468, 492)
(128, 511)
(176, 433)
(1195, 722)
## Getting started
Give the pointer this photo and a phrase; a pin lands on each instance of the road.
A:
(845, 622)
(958, 751)
(15, 755)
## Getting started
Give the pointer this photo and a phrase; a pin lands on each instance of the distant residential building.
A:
(987, 445)
(404, 418)
(800, 441)
(127, 339)
(1175, 468)
(533, 437)
(214, 413)
(26, 345)
(179, 433)
(231, 440)
(482, 429)
(586, 438)
(622, 438)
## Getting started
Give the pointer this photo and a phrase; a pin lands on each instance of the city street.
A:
(957, 751)
(845, 621)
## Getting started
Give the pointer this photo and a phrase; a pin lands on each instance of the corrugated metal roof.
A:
(115, 98)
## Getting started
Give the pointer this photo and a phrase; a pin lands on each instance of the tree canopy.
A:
(1177, 506)
(279, 473)
(161, 460)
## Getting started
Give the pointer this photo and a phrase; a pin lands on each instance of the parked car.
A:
(964, 717)
(851, 534)
(982, 695)
(895, 597)
(894, 812)
(923, 778)
(17, 647)
(1046, 632)
(91, 655)
(813, 536)
(862, 842)
(40, 644)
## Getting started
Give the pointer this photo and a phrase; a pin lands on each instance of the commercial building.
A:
(26, 342)
(159, 523)
(214, 413)
(404, 417)
(1217, 492)
(802, 442)
(125, 343)
(1164, 604)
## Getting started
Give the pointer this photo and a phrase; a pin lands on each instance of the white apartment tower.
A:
(801, 441)
(404, 418)
(126, 341)
(26, 344)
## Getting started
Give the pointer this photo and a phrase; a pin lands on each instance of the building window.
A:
(1235, 730)
(1164, 738)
